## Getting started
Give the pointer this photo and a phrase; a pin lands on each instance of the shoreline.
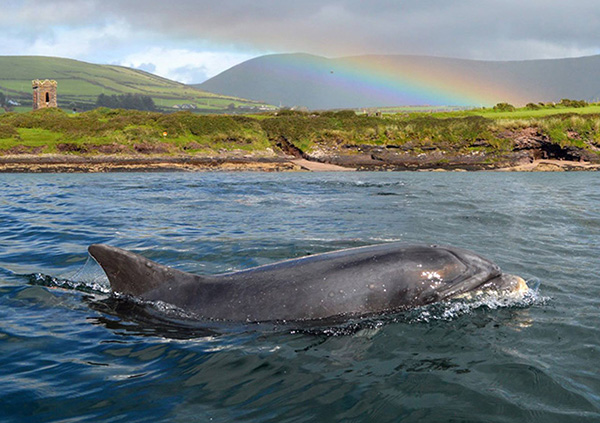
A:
(99, 164)
(106, 140)
(102, 164)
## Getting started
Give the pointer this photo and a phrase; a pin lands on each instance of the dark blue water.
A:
(69, 352)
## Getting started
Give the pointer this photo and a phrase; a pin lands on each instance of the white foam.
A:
(493, 300)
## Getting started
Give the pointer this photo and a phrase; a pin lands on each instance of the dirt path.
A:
(320, 167)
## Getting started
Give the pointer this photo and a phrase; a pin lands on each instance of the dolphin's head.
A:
(464, 273)
(508, 284)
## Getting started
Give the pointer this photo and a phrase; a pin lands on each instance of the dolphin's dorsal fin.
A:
(132, 274)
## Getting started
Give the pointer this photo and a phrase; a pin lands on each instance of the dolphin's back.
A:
(355, 281)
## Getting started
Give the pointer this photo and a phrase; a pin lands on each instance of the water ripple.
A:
(73, 352)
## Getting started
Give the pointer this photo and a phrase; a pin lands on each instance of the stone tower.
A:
(44, 94)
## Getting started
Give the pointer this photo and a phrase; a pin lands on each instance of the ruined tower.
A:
(44, 94)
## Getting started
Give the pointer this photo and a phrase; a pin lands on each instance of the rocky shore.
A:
(117, 163)
(530, 151)
(27, 163)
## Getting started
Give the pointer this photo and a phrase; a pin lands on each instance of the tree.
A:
(148, 103)
(126, 101)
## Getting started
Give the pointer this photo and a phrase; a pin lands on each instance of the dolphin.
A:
(346, 283)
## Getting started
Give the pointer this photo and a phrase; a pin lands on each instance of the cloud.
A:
(461, 28)
(190, 39)
(62, 12)
(184, 65)
(78, 42)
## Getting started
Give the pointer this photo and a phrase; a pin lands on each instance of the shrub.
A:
(7, 131)
(290, 112)
(573, 103)
(345, 114)
(504, 107)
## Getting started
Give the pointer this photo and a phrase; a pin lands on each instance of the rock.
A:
(548, 167)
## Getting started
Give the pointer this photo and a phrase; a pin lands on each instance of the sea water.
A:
(71, 352)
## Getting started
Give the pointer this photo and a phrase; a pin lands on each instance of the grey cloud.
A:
(488, 29)
(40, 14)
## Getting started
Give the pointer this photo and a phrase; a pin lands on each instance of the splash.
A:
(490, 300)
(88, 278)
(55, 282)
(443, 311)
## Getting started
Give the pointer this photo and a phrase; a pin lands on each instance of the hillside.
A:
(387, 81)
(81, 83)
(115, 139)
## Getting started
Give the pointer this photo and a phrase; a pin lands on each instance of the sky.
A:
(192, 40)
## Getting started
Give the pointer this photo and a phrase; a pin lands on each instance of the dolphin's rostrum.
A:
(352, 282)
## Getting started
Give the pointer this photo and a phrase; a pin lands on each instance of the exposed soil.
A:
(66, 147)
(108, 148)
(288, 148)
(151, 148)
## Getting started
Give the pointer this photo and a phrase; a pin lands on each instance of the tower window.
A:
(47, 97)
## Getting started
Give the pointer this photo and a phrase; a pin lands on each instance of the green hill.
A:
(376, 81)
(80, 83)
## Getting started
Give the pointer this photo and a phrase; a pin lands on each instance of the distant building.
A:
(44, 94)
(185, 106)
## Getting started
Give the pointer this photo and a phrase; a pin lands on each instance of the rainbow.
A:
(401, 80)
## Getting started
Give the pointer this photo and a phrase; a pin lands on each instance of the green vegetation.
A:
(126, 101)
(108, 131)
(504, 107)
(531, 110)
(458, 132)
(80, 84)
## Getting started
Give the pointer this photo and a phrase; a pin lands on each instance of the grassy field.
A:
(521, 113)
(489, 113)
(81, 83)
(107, 131)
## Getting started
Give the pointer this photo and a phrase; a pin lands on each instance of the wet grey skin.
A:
(349, 283)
